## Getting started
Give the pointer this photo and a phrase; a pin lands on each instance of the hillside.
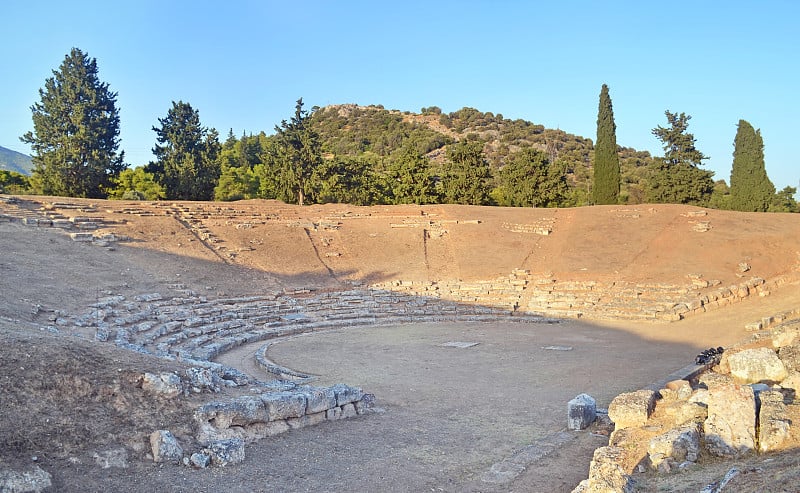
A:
(15, 161)
(352, 130)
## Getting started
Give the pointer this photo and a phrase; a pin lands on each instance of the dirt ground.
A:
(444, 416)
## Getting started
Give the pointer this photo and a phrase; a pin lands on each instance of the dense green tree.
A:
(784, 201)
(237, 183)
(299, 152)
(13, 182)
(606, 160)
(187, 155)
(530, 180)
(467, 174)
(677, 178)
(75, 134)
(136, 184)
(411, 180)
(348, 181)
(751, 189)
(721, 196)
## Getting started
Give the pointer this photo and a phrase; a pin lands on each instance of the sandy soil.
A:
(446, 415)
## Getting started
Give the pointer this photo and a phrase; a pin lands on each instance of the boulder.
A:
(757, 365)
(164, 384)
(677, 445)
(581, 412)
(730, 426)
(632, 408)
(773, 424)
(606, 474)
(792, 382)
(224, 452)
(165, 447)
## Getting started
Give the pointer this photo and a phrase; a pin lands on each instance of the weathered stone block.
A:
(241, 411)
(319, 399)
(757, 365)
(678, 445)
(164, 384)
(606, 473)
(165, 447)
(224, 452)
(773, 424)
(283, 405)
(632, 408)
(346, 394)
(682, 388)
(581, 412)
(684, 411)
(730, 426)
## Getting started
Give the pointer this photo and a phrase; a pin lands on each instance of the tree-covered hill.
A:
(384, 135)
(15, 161)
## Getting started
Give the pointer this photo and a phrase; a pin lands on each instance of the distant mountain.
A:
(15, 161)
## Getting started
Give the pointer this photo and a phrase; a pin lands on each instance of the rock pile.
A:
(744, 405)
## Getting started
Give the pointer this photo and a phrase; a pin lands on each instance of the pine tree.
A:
(187, 155)
(677, 178)
(467, 174)
(530, 180)
(75, 134)
(751, 189)
(606, 160)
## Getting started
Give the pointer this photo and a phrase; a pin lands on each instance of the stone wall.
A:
(522, 292)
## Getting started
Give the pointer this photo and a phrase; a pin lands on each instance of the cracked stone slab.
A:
(557, 348)
(459, 344)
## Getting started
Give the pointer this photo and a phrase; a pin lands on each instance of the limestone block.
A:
(165, 447)
(283, 405)
(307, 420)
(785, 336)
(606, 474)
(581, 412)
(678, 445)
(241, 411)
(757, 365)
(632, 408)
(34, 480)
(228, 451)
(164, 384)
(774, 425)
(730, 426)
(346, 394)
(711, 379)
(682, 388)
(319, 399)
(790, 356)
(683, 412)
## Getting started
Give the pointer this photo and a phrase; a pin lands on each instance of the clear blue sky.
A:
(243, 64)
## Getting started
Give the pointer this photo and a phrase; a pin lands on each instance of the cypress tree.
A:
(751, 189)
(606, 159)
